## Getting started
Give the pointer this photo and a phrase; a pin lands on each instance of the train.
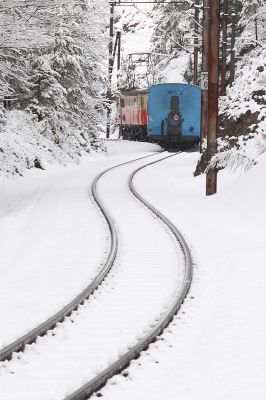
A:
(168, 114)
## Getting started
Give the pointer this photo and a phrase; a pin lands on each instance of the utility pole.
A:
(117, 48)
(224, 48)
(256, 31)
(39, 89)
(196, 43)
(119, 51)
(118, 56)
(110, 65)
(232, 50)
(214, 38)
(111, 36)
(205, 69)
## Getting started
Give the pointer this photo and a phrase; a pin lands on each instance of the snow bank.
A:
(24, 144)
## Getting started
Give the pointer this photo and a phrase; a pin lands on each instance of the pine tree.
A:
(48, 100)
(57, 64)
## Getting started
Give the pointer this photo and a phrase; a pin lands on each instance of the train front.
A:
(174, 113)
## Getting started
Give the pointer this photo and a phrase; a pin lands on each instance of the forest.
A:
(53, 70)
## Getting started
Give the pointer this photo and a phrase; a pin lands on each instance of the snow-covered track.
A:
(42, 329)
(96, 383)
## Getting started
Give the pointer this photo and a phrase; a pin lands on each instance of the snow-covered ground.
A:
(147, 274)
(52, 239)
(215, 347)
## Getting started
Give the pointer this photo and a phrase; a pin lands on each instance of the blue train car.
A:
(174, 114)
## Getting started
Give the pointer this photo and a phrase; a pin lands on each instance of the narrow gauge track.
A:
(42, 329)
(99, 381)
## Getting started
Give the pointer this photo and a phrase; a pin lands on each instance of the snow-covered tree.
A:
(251, 25)
(243, 114)
(172, 34)
(53, 53)
(48, 100)
(250, 8)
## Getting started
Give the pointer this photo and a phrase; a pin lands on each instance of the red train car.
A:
(132, 114)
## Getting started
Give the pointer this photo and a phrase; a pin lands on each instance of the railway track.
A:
(42, 329)
(84, 392)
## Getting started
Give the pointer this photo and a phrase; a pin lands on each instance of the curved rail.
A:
(41, 330)
(96, 383)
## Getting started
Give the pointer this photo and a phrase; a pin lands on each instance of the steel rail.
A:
(84, 392)
(30, 337)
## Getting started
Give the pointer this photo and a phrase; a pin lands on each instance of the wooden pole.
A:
(119, 51)
(118, 58)
(196, 44)
(224, 48)
(214, 38)
(110, 65)
(232, 51)
(205, 70)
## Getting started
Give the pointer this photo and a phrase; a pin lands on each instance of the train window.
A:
(175, 103)
(122, 102)
(141, 101)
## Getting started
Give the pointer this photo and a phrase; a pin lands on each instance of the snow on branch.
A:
(27, 23)
(239, 153)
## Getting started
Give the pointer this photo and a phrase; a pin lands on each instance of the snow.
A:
(244, 103)
(39, 210)
(138, 26)
(54, 240)
(23, 141)
(215, 348)
(34, 213)
(147, 273)
(175, 69)
(250, 81)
